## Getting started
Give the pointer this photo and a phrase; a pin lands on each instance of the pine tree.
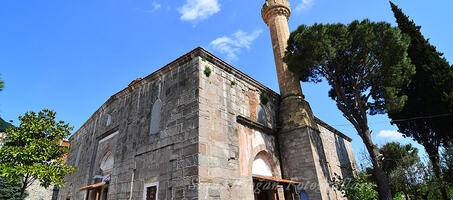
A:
(426, 116)
(8, 190)
(365, 63)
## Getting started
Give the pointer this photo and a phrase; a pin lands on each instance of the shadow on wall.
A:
(343, 157)
(316, 139)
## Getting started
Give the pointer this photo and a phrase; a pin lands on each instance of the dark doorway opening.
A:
(272, 188)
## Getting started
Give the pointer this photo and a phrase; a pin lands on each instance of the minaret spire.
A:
(276, 14)
(295, 112)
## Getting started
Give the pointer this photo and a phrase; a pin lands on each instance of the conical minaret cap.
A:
(271, 8)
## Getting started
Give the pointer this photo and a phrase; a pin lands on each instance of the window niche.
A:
(109, 120)
(155, 117)
(261, 114)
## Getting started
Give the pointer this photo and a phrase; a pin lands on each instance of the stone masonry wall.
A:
(227, 148)
(37, 192)
(168, 157)
(201, 151)
(339, 158)
(314, 158)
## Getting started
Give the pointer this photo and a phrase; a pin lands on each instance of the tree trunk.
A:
(379, 173)
(433, 154)
(23, 188)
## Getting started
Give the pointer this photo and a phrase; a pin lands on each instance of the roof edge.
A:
(226, 66)
(199, 51)
(332, 129)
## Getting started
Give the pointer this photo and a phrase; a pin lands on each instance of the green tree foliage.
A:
(32, 151)
(357, 188)
(8, 190)
(4, 125)
(397, 155)
(365, 63)
(427, 114)
(447, 165)
(406, 172)
(415, 182)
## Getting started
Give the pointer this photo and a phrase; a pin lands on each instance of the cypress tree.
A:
(427, 114)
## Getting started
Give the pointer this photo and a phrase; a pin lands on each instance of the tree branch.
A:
(340, 94)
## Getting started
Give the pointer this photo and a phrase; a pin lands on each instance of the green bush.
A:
(207, 71)
(264, 100)
(233, 83)
(357, 188)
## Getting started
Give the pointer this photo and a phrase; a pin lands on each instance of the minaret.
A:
(294, 110)
(301, 152)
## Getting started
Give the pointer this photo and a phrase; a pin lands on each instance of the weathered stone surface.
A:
(140, 154)
(201, 151)
(37, 192)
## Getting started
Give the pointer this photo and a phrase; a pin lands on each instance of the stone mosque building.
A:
(198, 128)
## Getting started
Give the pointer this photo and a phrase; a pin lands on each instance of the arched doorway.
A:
(99, 190)
(261, 168)
(266, 184)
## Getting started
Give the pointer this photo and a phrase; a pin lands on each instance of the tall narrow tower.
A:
(301, 152)
(294, 110)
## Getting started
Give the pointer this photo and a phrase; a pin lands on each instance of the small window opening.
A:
(151, 191)
(109, 120)
(155, 117)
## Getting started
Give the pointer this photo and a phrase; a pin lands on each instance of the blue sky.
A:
(71, 56)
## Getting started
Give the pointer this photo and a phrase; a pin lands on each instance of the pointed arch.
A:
(107, 162)
(263, 165)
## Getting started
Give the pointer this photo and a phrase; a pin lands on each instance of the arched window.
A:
(261, 113)
(107, 163)
(155, 117)
(261, 167)
(109, 120)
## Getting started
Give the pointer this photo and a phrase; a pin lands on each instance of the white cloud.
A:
(199, 9)
(304, 5)
(390, 134)
(155, 6)
(233, 44)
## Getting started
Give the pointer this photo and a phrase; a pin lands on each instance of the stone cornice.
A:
(272, 8)
(332, 129)
(254, 125)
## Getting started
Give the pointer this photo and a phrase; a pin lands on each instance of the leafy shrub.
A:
(357, 188)
(264, 100)
(207, 71)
